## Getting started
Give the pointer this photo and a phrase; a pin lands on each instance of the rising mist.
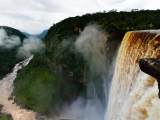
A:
(92, 44)
(30, 45)
(8, 42)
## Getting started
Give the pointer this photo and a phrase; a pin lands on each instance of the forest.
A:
(8, 57)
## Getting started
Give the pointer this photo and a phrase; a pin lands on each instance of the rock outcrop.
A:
(151, 66)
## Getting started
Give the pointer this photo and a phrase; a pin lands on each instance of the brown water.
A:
(6, 88)
(134, 94)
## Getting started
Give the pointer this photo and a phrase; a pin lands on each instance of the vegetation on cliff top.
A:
(38, 88)
(112, 22)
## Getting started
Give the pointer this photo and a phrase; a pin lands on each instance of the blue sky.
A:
(34, 16)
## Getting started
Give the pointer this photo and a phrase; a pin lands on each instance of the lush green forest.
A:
(8, 56)
(56, 75)
(112, 22)
(41, 89)
(5, 117)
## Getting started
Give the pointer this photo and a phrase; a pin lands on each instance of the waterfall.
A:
(6, 88)
(134, 94)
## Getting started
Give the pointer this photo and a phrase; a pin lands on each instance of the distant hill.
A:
(26, 34)
(40, 36)
(11, 31)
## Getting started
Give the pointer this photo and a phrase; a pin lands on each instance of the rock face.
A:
(151, 66)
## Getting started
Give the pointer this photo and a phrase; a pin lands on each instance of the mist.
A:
(92, 44)
(30, 46)
(8, 42)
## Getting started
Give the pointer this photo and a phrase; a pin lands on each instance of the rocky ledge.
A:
(151, 66)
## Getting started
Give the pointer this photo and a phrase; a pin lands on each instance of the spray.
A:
(94, 46)
(8, 42)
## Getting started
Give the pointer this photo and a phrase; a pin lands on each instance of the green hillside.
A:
(11, 31)
(8, 56)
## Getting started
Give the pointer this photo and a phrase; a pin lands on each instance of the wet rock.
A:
(39, 117)
(151, 66)
(10, 98)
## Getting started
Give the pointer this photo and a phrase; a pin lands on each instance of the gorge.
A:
(134, 94)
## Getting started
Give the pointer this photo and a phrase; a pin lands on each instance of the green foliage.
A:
(36, 87)
(8, 56)
(11, 31)
(7, 61)
(113, 22)
(78, 73)
(63, 52)
(5, 117)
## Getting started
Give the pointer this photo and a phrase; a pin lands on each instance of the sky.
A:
(35, 16)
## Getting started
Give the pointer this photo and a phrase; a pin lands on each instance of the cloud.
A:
(8, 42)
(30, 45)
(91, 45)
(37, 15)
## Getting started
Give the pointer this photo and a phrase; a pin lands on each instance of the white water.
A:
(6, 88)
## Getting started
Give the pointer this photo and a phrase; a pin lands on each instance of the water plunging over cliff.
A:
(6, 88)
(134, 94)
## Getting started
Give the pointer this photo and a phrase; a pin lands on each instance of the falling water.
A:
(134, 94)
(6, 88)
